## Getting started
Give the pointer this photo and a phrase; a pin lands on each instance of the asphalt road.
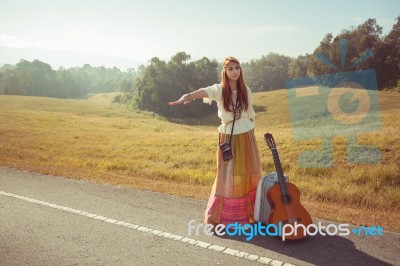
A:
(47, 220)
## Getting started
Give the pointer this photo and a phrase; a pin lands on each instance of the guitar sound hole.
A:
(286, 199)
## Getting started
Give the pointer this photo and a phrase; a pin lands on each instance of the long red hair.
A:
(243, 99)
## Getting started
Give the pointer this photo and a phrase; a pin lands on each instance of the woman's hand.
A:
(185, 99)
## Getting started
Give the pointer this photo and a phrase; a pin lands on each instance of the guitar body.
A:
(288, 213)
(284, 199)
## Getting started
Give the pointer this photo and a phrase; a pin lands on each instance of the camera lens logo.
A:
(340, 104)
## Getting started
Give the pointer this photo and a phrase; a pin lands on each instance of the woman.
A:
(233, 193)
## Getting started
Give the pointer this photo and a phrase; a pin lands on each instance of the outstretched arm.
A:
(188, 97)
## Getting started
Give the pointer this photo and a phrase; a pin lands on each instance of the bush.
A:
(117, 99)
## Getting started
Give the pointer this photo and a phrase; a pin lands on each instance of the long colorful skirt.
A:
(233, 193)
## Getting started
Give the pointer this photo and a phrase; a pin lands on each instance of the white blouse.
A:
(242, 125)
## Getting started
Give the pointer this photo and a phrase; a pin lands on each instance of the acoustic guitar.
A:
(284, 198)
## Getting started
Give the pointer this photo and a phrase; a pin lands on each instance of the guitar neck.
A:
(279, 171)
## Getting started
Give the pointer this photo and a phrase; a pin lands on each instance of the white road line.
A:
(190, 241)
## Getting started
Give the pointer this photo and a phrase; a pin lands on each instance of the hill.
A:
(92, 139)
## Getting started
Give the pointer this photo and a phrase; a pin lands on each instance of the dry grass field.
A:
(92, 139)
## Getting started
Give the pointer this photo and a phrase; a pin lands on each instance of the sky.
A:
(140, 30)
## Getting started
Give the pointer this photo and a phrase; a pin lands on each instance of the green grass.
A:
(94, 140)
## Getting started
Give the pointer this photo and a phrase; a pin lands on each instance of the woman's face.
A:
(233, 71)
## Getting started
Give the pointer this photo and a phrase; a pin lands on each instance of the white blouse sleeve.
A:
(214, 93)
(250, 110)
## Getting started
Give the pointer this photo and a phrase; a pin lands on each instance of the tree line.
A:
(164, 81)
(381, 53)
(37, 78)
(151, 86)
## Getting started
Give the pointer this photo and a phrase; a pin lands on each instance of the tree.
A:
(298, 67)
(354, 44)
(13, 83)
(316, 67)
(66, 87)
(268, 73)
(387, 59)
(38, 77)
(161, 81)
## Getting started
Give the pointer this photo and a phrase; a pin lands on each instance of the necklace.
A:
(237, 112)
